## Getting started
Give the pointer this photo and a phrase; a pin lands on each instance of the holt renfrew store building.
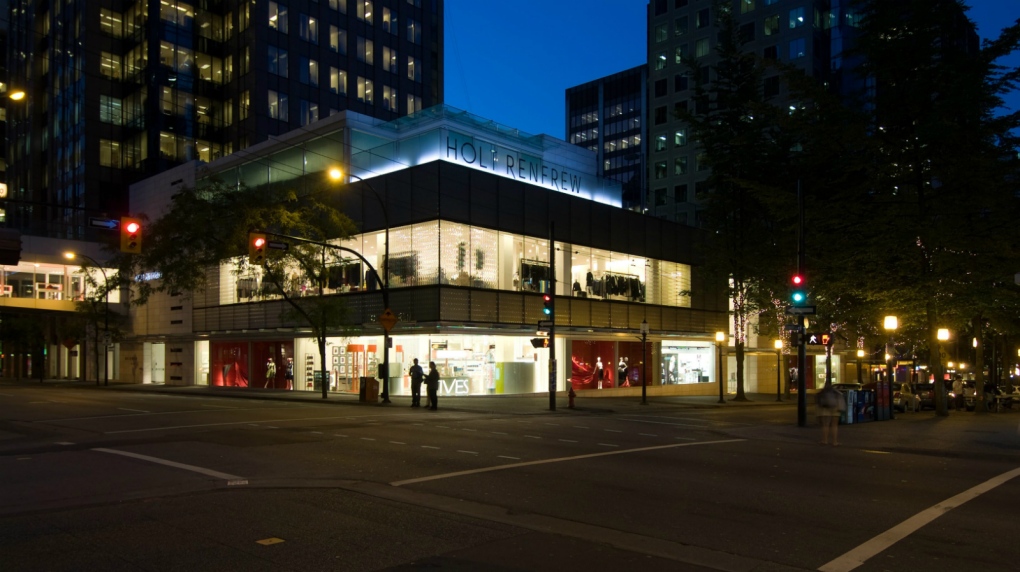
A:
(469, 204)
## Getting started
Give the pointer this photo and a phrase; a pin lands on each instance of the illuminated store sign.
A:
(482, 155)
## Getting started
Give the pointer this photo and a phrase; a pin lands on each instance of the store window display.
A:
(588, 365)
(686, 363)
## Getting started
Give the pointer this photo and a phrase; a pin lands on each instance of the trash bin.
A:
(369, 390)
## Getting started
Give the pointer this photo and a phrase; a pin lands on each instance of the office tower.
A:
(116, 94)
(813, 35)
(608, 116)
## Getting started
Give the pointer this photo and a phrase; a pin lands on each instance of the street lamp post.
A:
(720, 337)
(860, 373)
(644, 363)
(941, 399)
(779, 368)
(106, 316)
(336, 175)
(890, 325)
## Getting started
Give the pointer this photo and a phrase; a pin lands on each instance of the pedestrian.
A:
(830, 402)
(417, 376)
(958, 392)
(432, 382)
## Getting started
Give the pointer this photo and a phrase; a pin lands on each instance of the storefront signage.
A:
(454, 387)
(483, 155)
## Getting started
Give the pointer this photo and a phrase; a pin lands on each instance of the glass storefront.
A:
(52, 281)
(441, 252)
(687, 362)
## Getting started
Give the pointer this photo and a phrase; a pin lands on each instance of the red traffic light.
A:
(798, 279)
(132, 227)
(260, 242)
(546, 298)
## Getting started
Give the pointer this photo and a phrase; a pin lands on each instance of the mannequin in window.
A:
(576, 288)
(599, 372)
(621, 373)
(589, 281)
(270, 372)
(289, 375)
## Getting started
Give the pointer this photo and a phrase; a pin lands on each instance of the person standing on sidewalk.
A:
(417, 376)
(432, 383)
(958, 392)
(830, 402)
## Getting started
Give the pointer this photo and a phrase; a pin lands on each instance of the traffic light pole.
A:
(801, 347)
(552, 316)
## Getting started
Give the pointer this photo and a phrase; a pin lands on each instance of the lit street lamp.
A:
(941, 401)
(890, 325)
(860, 373)
(106, 316)
(644, 362)
(336, 175)
(720, 337)
(779, 368)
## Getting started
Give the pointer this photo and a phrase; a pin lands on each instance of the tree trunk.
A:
(941, 401)
(979, 367)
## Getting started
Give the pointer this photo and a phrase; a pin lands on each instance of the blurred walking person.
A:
(432, 383)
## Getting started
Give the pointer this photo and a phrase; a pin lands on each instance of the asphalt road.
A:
(128, 480)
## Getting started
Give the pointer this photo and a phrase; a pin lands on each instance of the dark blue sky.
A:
(513, 61)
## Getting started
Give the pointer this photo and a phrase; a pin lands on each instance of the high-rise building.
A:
(813, 35)
(608, 116)
(115, 94)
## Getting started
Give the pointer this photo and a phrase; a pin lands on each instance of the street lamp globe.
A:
(890, 323)
(778, 344)
(720, 337)
(943, 334)
(860, 354)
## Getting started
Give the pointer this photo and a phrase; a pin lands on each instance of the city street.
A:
(132, 478)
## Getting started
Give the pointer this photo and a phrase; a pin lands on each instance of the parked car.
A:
(923, 392)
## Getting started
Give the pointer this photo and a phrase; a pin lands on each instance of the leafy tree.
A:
(180, 246)
(93, 317)
(937, 246)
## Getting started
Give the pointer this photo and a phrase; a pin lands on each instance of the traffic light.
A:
(799, 293)
(256, 248)
(540, 342)
(547, 304)
(130, 235)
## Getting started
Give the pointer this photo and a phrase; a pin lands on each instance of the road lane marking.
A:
(497, 433)
(428, 447)
(316, 432)
(557, 460)
(703, 426)
(608, 445)
(568, 440)
(468, 452)
(338, 435)
(172, 427)
(862, 553)
(367, 439)
(469, 429)
(505, 457)
(133, 410)
(613, 431)
(398, 442)
(532, 437)
(208, 472)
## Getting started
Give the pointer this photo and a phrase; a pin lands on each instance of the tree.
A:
(180, 247)
(942, 194)
(93, 314)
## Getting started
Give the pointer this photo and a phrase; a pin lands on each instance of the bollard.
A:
(570, 396)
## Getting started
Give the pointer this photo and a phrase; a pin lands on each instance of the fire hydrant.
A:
(571, 395)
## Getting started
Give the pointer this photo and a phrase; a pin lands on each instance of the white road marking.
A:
(316, 432)
(468, 452)
(172, 427)
(557, 460)
(193, 468)
(568, 440)
(862, 553)
(608, 445)
(648, 434)
(532, 437)
(497, 433)
(367, 439)
(469, 429)
(703, 426)
(134, 410)
(512, 458)
(428, 447)
(398, 442)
